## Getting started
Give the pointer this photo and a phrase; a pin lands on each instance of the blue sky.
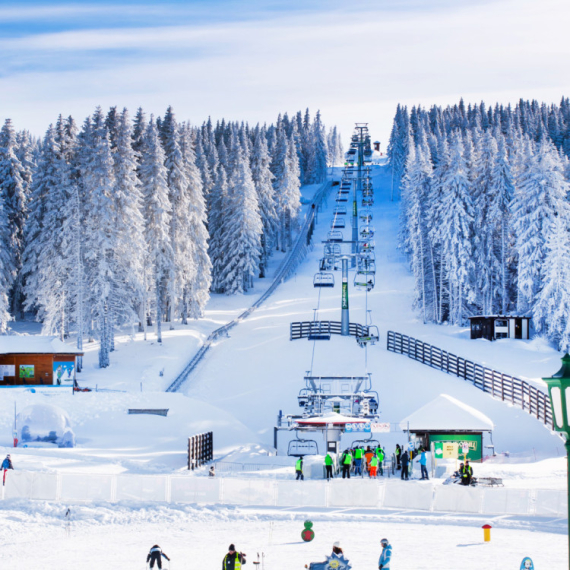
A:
(249, 59)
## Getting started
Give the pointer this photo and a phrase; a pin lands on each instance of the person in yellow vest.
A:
(380, 456)
(346, 464)
(299, 469)
(373, 466)
(329, 466)
(233, 560)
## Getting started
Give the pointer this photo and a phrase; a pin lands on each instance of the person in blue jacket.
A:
(423, 465)
(6, 464)
(386, 555)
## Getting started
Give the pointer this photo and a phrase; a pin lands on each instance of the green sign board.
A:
(344, 295)
(473, 441)
(354, 210)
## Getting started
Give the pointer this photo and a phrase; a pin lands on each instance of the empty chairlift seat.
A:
(338, 223)
(323, 279)
(372, 337)
(300, 447)
(335, 236)
(340, 211)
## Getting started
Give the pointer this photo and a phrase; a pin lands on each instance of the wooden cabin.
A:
(500, 326)
(37, 360)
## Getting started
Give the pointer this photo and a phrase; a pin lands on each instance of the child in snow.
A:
(385, 556)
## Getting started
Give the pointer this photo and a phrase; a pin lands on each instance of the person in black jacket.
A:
(233, 560)
(405, 460)
(155, 556)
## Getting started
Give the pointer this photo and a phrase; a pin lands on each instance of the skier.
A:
(329, 466)
(299, 469)
(398, 454)
(346, 464)
(385, 556)
(405, 459)
(233, 560)
(6, 464)
(155, 556)
(212, 471)
(368, 456)
(423, 464)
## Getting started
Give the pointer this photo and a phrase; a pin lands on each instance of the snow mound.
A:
(44, 423)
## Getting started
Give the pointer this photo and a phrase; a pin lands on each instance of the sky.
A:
(252, 59)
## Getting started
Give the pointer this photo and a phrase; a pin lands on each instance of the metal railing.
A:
(295, 257)
(502, 386)
(303, 329)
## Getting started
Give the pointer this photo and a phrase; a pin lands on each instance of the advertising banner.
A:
(27, 370)
(63, 373)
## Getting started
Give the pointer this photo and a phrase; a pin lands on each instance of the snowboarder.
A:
(385, 555)
(299, 469)
(6, 464)
(155, 555)
(329, 466)
(233, 560)
(423, 464)
(346, 464)
(398, 453)
(405, 460)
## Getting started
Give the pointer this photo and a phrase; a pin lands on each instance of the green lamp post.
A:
(559, 392)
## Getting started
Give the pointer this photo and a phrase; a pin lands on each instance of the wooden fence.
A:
(200, 449)
(502, 386)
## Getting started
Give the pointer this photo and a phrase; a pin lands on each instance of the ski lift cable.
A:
(314, 319)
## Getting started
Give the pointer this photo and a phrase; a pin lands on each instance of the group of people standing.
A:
(404, 459)
(359, 461)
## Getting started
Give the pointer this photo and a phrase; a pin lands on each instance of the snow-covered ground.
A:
(119, 536)
(237, 392)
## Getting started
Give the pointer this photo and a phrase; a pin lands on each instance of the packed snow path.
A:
(287, 267)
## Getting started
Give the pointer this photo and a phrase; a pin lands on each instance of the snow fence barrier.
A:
(353, 493)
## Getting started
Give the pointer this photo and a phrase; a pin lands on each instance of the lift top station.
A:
(333, 405)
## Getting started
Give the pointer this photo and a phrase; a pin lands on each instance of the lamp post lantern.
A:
(559, 392)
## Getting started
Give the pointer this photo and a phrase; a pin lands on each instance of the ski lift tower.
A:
(360, 138)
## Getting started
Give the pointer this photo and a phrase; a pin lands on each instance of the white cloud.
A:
(353, 66)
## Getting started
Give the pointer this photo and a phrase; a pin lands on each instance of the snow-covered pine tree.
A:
(157, 209)
(551, 312)
(241, 239)
(540, 191)
(128, 295)
(13, 189)
(197, 289)
(502, 186)
(98, 181)
(218, 199)
(319, 156)
(263, 180)
(455, 232)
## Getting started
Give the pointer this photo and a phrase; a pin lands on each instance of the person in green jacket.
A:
(299, 469)
(373, 466)
(380, 456)
(346, 464)
(358, 455)
(329, 466)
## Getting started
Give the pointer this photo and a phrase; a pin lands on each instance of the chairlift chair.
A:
(372, 337)
(364, 280)
(367, 201)
(372, 443)
(335, 236)
(366, 232)
(300, 447)
(323, 279)
(367, 266)
(367, 246)
(332, 249)
(341, 198)
(338, 223)
(339, 211)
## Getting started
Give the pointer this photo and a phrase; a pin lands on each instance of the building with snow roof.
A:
(37, 360)
(447, 420)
